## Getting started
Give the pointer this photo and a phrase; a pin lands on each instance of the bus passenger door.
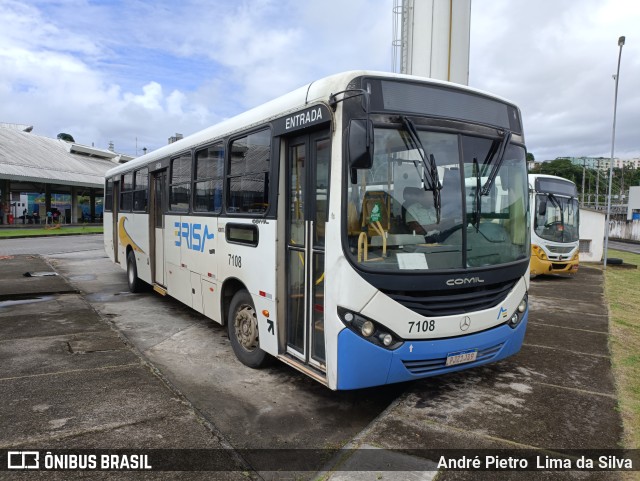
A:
(116, 208)
(307, 177)
(158, 203)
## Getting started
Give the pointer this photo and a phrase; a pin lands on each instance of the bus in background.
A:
(365, 229)
(555, 227)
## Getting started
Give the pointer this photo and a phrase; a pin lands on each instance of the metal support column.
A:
(5, 200)
(74, 206)
(92, 196)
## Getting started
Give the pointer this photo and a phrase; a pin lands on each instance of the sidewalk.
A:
(68, 381)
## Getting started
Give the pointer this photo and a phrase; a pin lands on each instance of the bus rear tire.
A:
(242, 326)
(133, 281)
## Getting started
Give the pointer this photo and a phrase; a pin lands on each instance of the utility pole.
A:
(613, 141)
(584, 171)
(598, 184)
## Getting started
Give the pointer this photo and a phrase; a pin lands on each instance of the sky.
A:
(135, 72)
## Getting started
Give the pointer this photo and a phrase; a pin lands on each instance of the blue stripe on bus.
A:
(363, 364)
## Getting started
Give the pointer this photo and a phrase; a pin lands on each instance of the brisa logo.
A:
(193, 234)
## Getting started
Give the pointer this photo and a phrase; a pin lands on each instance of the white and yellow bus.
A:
(290, 224)
(555, 226)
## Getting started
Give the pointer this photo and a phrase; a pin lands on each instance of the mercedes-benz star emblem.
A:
(465, 323)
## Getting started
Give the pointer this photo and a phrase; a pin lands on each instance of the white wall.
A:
(592, 229)
(620, 229)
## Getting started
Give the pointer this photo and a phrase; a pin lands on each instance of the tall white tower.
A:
(431, 38)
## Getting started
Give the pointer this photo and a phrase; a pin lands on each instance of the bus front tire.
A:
(133, 281)
(242, 326)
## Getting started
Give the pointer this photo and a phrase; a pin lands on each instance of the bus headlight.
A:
(523, 305)
(517, 316)
(369, 329)
(538, 252)
(387, 339)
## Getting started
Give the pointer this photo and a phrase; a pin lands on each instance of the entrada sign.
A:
(301, 120)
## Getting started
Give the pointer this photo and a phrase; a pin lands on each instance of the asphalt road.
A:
(51, 245)
(625, 246)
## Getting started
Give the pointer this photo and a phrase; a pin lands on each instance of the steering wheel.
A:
(553, 224)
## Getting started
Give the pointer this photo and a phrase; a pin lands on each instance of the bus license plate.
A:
(460, 357)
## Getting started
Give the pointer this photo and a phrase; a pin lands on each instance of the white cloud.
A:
(151, 98)
(120, 71)
(555, 60)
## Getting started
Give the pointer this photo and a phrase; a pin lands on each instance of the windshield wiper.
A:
(556, 202)
(486, 189)
(431, 180)
(478, 201)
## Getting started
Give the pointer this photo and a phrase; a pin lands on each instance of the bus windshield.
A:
(438, 209)
(556, 218)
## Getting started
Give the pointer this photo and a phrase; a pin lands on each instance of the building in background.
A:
(602, 163)
(50, 175)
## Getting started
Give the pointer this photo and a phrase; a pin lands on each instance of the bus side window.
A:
(207, 186)
(140, 193)
(126, 194)
(248, 173)
(180, 183)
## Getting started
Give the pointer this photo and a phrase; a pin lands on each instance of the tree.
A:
(65, 137)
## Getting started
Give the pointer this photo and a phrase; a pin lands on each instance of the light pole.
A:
(613, 141)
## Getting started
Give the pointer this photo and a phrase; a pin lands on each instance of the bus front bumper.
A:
(542, 267)
(363, 364)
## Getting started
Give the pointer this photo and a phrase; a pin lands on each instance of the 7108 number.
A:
(422, 326)
(235, 261)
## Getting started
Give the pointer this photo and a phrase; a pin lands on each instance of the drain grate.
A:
(40, 274)
(85, 346)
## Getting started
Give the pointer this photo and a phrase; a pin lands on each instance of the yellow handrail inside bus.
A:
(378, 228)
(362, 241)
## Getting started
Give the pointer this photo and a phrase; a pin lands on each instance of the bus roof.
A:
(533, 177)
(316, 91)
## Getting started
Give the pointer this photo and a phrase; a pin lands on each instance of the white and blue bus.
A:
(365, 229)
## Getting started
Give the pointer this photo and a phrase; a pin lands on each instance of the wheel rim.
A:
(246, 327)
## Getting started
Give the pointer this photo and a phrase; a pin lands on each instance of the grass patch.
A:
(17, 232)
(622, 288)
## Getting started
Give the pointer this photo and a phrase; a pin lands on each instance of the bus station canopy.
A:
(33, 159)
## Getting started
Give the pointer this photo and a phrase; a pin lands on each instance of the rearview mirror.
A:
(360, 144)
(542, 207)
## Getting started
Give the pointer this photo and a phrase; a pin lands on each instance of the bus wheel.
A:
(242, 326)
(134, 282)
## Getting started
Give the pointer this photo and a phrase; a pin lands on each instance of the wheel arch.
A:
(228, 290)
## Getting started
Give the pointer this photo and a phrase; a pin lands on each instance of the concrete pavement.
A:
(557, 394)
(69, 381)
